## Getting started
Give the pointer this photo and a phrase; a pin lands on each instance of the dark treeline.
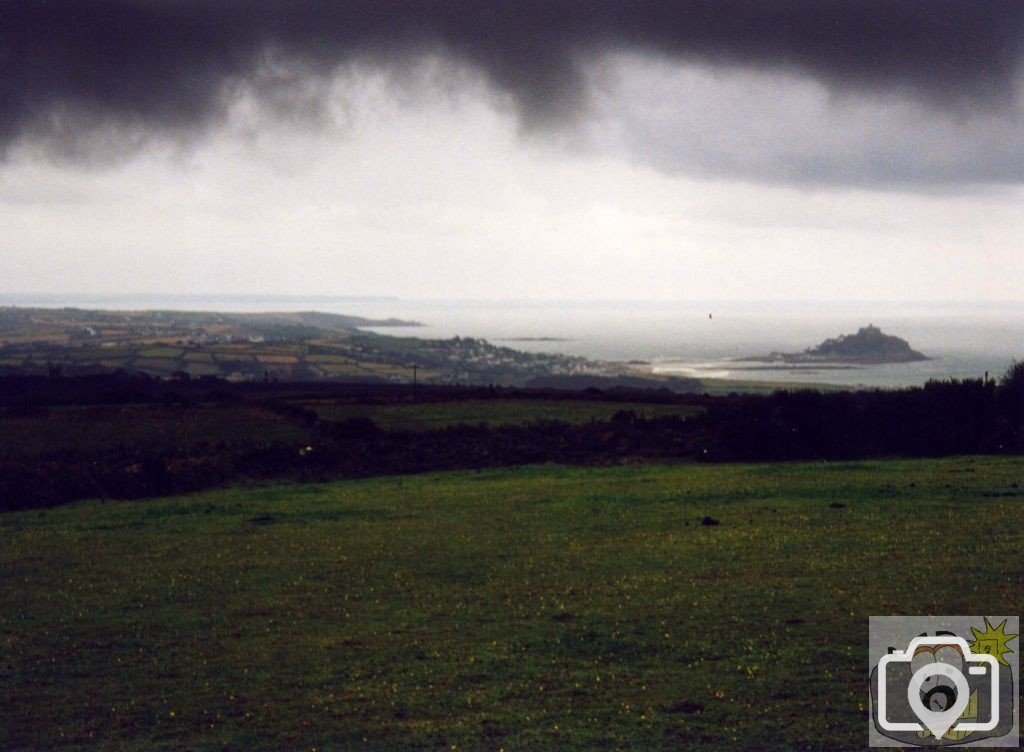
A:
(352, 448)
(122, 387)
(940, 418)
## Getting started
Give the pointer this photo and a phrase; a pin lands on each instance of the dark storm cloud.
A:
(68, 66)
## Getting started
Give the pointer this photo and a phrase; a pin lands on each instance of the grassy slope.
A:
(535, 608)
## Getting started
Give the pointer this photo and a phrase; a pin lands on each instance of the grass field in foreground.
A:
(535, 608)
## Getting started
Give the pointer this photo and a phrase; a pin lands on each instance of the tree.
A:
(1011, 400)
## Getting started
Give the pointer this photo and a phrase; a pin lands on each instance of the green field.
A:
(539, 608)
(432, 416)
(88, 431)
(753, 386)
(161, 352)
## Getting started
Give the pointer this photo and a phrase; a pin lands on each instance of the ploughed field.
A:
(533, 608)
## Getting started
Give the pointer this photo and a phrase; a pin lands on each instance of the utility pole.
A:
(414, 367)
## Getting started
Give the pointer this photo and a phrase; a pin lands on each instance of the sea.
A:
(689, 338)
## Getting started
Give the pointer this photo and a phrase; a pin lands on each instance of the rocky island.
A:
(869, 346)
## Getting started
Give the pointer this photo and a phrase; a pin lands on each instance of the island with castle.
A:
(869, 346)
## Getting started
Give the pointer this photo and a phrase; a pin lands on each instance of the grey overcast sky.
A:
(742, 149)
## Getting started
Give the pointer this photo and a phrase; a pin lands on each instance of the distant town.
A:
(263, 347)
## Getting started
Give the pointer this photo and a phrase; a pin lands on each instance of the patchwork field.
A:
(536, 608)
